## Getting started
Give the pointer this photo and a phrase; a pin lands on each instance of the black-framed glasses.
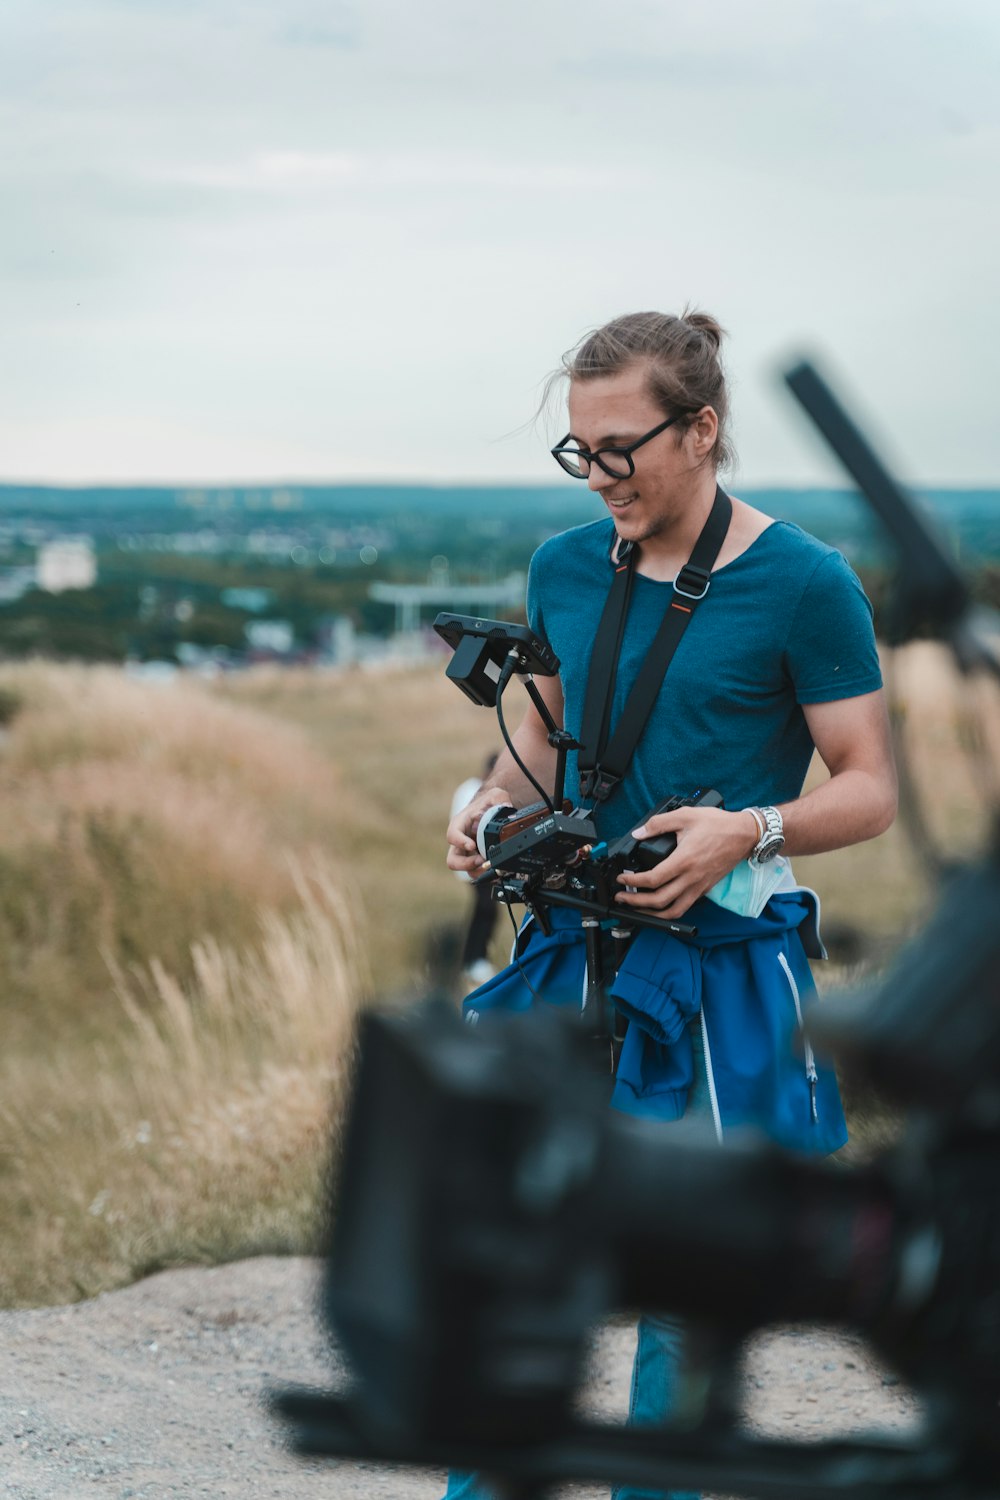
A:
(614, 461)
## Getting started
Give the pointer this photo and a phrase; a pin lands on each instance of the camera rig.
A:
(549, 854)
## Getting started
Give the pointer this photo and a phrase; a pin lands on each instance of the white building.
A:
(66, 565)
(277, 636)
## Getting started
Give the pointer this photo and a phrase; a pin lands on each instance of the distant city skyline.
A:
(324, 240)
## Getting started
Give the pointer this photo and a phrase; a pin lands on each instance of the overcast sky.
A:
(245, 240)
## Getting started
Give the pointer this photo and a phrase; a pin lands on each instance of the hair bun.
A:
(706, 324)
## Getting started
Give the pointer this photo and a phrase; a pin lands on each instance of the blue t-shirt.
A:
(784, 624)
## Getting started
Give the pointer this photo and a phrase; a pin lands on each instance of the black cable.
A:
(517, 956)
(504, 677)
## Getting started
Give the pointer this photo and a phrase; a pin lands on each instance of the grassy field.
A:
(181, 966)
(200, 883)
(401, 739)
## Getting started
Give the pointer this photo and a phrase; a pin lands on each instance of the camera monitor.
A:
(481, 648)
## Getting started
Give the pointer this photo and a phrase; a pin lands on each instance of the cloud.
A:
(342, 36)
(228, 210)
(283, 171)
(268, 170)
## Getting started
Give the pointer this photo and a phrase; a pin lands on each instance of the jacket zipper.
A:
(716, 1116)
(811, 1077)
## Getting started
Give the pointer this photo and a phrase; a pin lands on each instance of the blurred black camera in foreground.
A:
(492, 1210)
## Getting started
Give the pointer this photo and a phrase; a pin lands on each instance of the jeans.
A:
(651, 1399)
(660, 1340)
(659, 1346)
(658, 1351)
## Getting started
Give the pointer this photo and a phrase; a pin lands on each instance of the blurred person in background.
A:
(475, 964)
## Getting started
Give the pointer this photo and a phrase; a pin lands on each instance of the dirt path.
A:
(159, 1390)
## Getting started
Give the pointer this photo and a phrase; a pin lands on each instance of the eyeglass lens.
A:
(579, 465)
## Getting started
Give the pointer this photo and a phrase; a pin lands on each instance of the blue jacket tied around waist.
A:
(749, 978)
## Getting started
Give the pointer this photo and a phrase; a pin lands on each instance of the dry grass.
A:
(199, 1129)
(136, 819)
(948, 728)
(197, 885)
(402, 739)
(181, 964)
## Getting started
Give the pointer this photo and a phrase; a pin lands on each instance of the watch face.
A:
(770, 850)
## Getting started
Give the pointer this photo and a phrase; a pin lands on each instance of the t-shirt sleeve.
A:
(533, 605)
(831, 651)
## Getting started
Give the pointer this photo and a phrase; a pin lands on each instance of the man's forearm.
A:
(852, 806)
(541, 762)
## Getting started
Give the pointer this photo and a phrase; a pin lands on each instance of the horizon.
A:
(490, 483)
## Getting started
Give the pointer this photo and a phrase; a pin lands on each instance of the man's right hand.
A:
(462, 851)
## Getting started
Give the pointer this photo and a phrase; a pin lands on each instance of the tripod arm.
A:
(540, 704)
(560, 739)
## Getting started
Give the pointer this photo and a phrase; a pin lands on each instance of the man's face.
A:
(613, 410)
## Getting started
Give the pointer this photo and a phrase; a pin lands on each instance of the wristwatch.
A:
(772, 837)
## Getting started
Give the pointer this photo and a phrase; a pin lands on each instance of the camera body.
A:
(534, 842)
(533, 848)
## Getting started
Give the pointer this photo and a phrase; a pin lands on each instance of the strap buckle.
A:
(597, 785)
(689, 578)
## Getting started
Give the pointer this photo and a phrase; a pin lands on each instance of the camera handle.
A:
(599, 1017)
(595, 998)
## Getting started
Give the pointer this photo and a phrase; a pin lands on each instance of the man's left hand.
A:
(710, 843)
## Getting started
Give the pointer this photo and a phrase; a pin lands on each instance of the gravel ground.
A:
(160, 1390)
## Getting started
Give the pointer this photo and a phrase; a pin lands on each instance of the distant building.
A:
(66, 565)
(410, 598)
(338, 640)
(274, 636)
(253, 600)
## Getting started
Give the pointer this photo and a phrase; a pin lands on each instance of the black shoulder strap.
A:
(602, 763)
(595, 724)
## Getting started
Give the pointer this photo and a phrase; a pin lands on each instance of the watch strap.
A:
(772, 827)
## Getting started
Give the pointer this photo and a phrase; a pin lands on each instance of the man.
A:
(777, 657)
